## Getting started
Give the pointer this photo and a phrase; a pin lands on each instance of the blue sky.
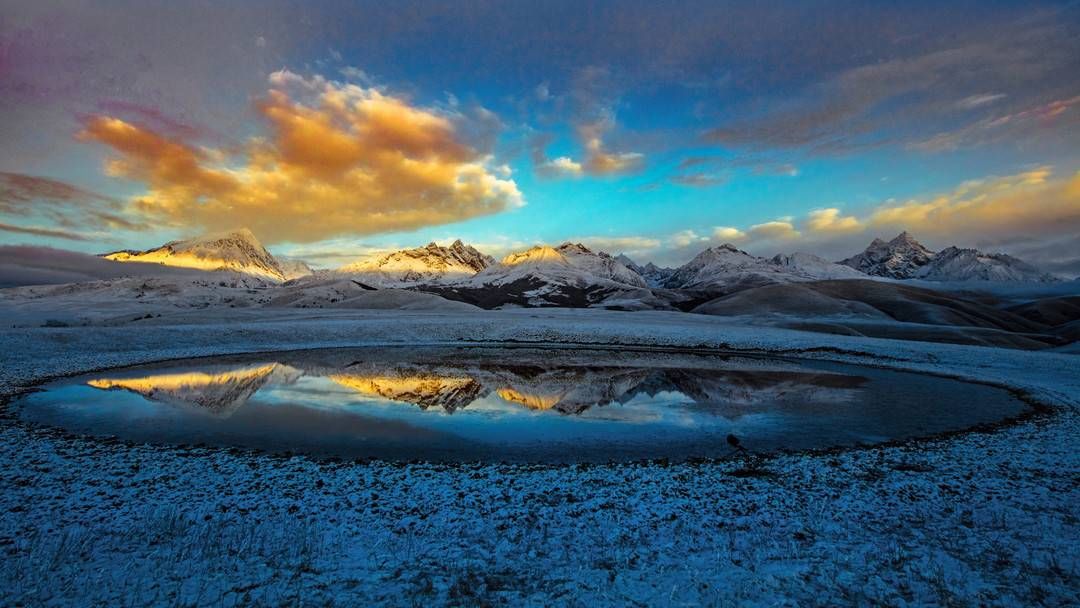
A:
(655, 129)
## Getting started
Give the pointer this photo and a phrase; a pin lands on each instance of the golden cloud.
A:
(780, 230)
(340, 159)
(1033, 203)
(1028, 202)
(830, 220)
(598, 159)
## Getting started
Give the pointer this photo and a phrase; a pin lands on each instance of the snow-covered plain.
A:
(983, 518)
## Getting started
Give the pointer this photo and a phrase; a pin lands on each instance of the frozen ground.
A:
(978, 519)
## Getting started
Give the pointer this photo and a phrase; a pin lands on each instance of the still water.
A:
(515, 404)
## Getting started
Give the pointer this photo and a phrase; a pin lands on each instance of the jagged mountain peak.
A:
(900, 258)
(551, 269)
(904, 237)
(237, 250)
(569, 247)
(431, 263)
(724, 266)
(967, 264)
(535, 255)
(654, 275)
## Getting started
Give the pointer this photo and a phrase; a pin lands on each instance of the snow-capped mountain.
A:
(654, 275)
(422, 265)
(900, 258)
(237, 250)
(424, 388)
(956, 264)
(905, 258)
(219, 392)
(568, 275)
(727, 266)
(294, 269)
(569, 264)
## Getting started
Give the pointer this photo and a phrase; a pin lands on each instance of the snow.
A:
(237, 250)
(906, 258)
(900, 258)
(654, 275)
(568, 264)
(955, 264)
(430, 264)
(726, 266)
(986, 518)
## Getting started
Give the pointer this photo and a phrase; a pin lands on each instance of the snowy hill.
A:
(568, 275)
(567, 264)
(294, 269)
(726, 266)
(238, 251)
(905, 258)
(654, 275)
(956, 264)
(430, 264)
(900, 258)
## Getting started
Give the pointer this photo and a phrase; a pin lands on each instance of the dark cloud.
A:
(33, 265)
(67, 206)
(699, 180)
(47, 232)
(994, 71)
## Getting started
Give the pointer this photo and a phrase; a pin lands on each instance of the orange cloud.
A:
(830, 220)
(1034, 203)
(340, 159)
(1031, 202)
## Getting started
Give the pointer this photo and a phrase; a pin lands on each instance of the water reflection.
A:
(510, 404)
(566, 389)
(214, 391)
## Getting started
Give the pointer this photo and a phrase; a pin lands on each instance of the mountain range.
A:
(887, 291)
(906, 258)
(571, 274)
(237, 250)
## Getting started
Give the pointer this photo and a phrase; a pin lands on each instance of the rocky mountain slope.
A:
(956, 264)
(654, 275)
(885, 309)
(568, 275)
(900, 258)
(728, 268)
(422, 265)
(237, 250)
(906, 258)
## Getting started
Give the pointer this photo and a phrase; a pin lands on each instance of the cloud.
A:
(728, 234)
(590, 106)
(775, 230)
(340, 159)
(619, 244)
(699, 180)
(830, 220)
(563, 165)
(65, 205)
(686, 238)
(1031, 202)
(1035, 212)
(1052, 118)
(598, 159)
(728, 168)
(46, 232)
(974, 101)
(907, 97)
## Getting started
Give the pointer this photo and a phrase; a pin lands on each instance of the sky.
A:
(335, 130)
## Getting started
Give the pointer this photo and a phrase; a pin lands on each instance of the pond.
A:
(512, 404)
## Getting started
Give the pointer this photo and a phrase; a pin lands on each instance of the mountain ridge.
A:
(237, 250)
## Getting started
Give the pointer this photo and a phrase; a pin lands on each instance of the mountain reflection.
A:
(217, 392)
(452, 386)
(423, 388)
